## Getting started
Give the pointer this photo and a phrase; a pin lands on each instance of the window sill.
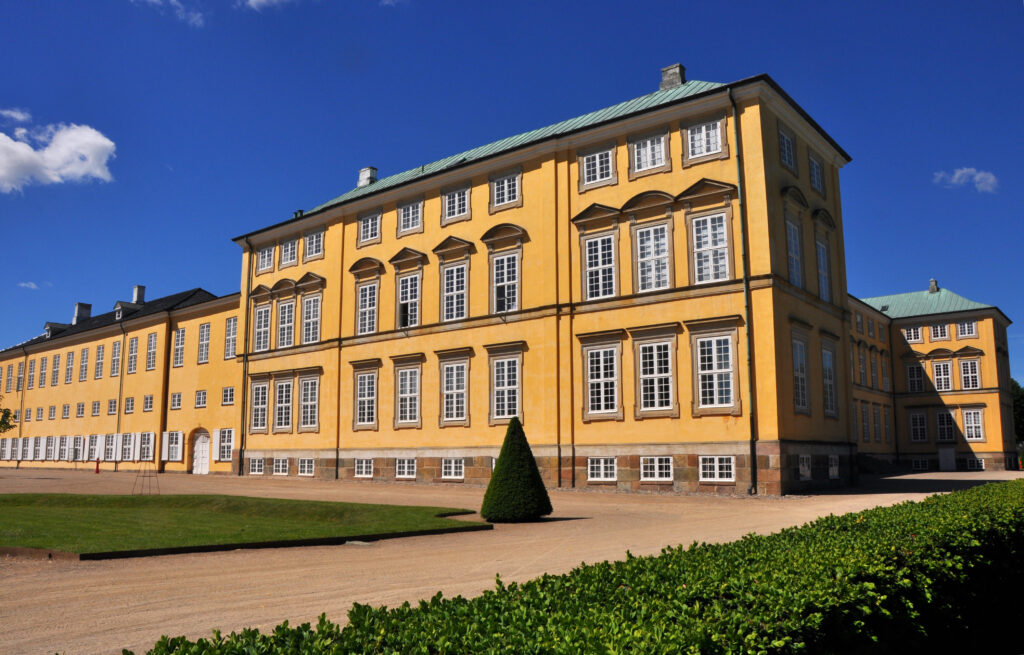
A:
(664, 168)
(494, 209)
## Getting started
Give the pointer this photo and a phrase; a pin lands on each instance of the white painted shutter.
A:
(136, 446)
(117, 447)
(101, 447)
(83, 454)
(181, 447)
(37, 445)
(216, 446)
(163, 447)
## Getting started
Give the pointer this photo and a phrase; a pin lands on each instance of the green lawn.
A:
(91, 524)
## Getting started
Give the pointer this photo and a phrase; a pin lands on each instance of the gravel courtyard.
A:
(101, 607)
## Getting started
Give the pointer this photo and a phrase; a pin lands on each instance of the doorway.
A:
(947, 458)
(201, 453)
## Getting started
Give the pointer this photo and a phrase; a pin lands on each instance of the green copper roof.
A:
(649, 101)
(921, 303)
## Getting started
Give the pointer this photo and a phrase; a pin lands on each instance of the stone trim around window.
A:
(466, 186)
(323, 244)
(666, 133)
(360, 242)
(418, 273)
(516, 172)
(650, 334)
(453, 356)
(297, 401)
(360, 367)
(452, 263)
(508, 350)
(581, 153)
(823, 191)
(684, 132)
(782, 129)
(407, 363)
(707, 328)
(601, 341)
(689, 217)
(399, 232)
(668, 220)
(493, 254)
(374, 282)
(616, 272)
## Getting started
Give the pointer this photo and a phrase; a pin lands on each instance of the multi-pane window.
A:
(705, 139)
(710, 248)
(230, 337)
(456, 203)
(65, 411)
(95, 408)
(227, 443)
(410, 217)
(28, 414)
(945, 425)
(309, 401)
(408, 395)
(888, 424)
(915, 378)
(794, 254)
(601, 468)
(306, 466)
(828, 380)
(717, 468)
(265, 259)
(408, 301)
(865, 428)
(600, 259)
(454, 292)
(863, 367)
(283, 405)
(146, 446)
(800, 398)
(280, 466)
(21, 374)
(876, 415)
(454, 391)
(506, 283)
(147, 402)
(311, 319)
(109, 444)
(453, 468)
(31, 373)
(256, 466)
(227, 396)
(817, 175)
(939, 332)
(83, 366)
(505, 388)
(98, 369)
(505, 189)
(175, 400)
(10, 378)
(655, 468)
(49, 448)
(286, 324)
(151, 350)
(649, 153)
(366, 320)
(366, 398)
(289, 252)
(204, 343)
(824, 273)
(714, 371)
(54, 373)
(973, 430)
(115, 359)
(261, 329)
(127, 446)
(314, 245)
(597, 167)
(39, 413)
(969, 378)
(405, 467)
(179, 347)
(364, 468)
(885, 374)
(871, 328)
(874, 371)
(912, 334)
(53, 412)
(804, 467)
(966, 329)
(133, 355)
(787, 150)
(259, 406)
(652, 258)
(943, 376)
(200, 398)
(129, 405)
(112, 406)
(602, 380)
(656, 375)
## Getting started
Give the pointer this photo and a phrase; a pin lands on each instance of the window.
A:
(505, 388)
(200, 399)
(309, 399)
(915, 378)
(966, 329)
(112, 406)
(176, 400)
(865, 427)
(888, 424)
(53, 412)
(597, 167)
(871, 328)
(456, 205)
(31, 374)
(147, 403)
(83, 368)
(710, 248)
(261, 329)
(817, 174)
(314, 245)
(859, 322)
(874, 371)
(652, 258)
(146, 446)
(405, 468)
(655, 469)
(800, 398)
(601, 469)
(863, 364)
(256, 466)
(310, 319)
(65, 411)
(109, 446)
(364, 468)
(129, 405)
(804, 467)
(714, 371)
(939, 332)
(306, 466)
(794, 254)
(717, 468)
(600, 262)
(505, 282)
(10, 376)
(912, 334)
(366, 317)
(280, 466)
(885, 374)
(945, 425)
(408, 393)
(833, 467)
(408, 301)
(975, 464)
(42, 371)
(920, 464)
(179, 347)
(973, 430)
(453, 292)
(115, 359)
(80, 409)
(828, 382)
(286, 324)
(265, 259)
(943, 376)
(98, 368)
(787, 149)
(133, 354)
(453, 468)
(54, 373)
(969, 378)
(602, 381)
(49, 448)
(410, 217)
(876, 416)
(648, 153)
(366, 399)
(127, 447)
(505, 190)
(704, 139)
(259, 406)
(453, 381)
(28, 414)
(227, 396)
(230, 337)
(825, 277)
(204, 343)
(39, 413)
(283, 405)
(21, 375)
(289, 252)
(918, 426)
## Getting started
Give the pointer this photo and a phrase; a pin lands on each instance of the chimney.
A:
(82, 311)
(138, 294)
(672, 76)
(367, 176)
(933, 286)
(297, 213)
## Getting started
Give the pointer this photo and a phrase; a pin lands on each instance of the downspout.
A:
(120, 385)
(21, 396)
(341, 319)
(245, 357)
(558, 346)
(168, 335)
(892, 395)
(572, 313)
(744, 245)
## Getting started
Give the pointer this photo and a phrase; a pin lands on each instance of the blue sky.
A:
(138, 137)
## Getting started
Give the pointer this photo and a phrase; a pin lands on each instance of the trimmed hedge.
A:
(516, 492)
(931, 576)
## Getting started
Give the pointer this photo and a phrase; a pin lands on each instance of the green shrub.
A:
(939, 575)
(516, 492)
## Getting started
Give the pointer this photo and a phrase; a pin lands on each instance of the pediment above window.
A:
(793, 194)
(707, 190)
(311, 282)
(407, 258)
(283, 287)
(504, 234)
(940, 353)
(970, 351)
(453, 248)
(822, 216)
(261, 292)
(367, 267)
(647, 200)
(595, 214)
(913, 355)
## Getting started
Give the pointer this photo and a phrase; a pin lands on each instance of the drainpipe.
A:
(168, 335)
(21, 395)
(558, 345)
(120, 386)
(245, 357)
(744, 245)
(572, 330)
(341, 319)
(892, 394)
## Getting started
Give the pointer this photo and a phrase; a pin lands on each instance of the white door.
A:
(201, 454)
(947, 458)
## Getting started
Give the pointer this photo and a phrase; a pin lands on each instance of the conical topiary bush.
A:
(516, 492)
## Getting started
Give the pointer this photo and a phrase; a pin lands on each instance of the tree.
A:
(516, 492)
(1018, 409)
(6, 422)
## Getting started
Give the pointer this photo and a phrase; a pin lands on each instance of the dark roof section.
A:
(652, 101)
(925, 303)
(174, 301)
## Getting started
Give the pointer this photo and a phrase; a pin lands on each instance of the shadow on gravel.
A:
(556, 519)
(872, 484)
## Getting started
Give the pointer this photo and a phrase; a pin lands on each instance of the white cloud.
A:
(261, 4)
(62, 153)
(983, 181)
(29, 285)
(16, 115)
(193, 17)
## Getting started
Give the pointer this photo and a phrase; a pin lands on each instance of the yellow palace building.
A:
(656, 289)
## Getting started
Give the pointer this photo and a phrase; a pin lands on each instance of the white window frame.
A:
(203, 351)
(133, 356)
(289, 252)
(366, 398)
(943, 375)
(363, 467)
(717, 468)
(408, 292)
(256, 466)
(283, 398)
(65, 411)
(129, 405)
(407, 395)
(366, 312)
(147, 403)
(656, 469)
(787, 149)
(915, 378)
(454, 391)
(313, 245)
(309, 403)
(833, 467)
(97, 365)
(456, 203)
(794, 253)
(454, 292)
(824, 271)
(226, 445)
(227, 396)
(505, 396)
(43, 361)
(151, 351)
(200, 398)
(178, 359)
(410, 217)
(704, 139)
(939, 332)
(265, 259)
(261, 329)
(311, 319)
(280, 466)
(602, 273)
(306, 467)
(453, 468)
(865, 424)
(507, 266)
(912, 334)
(711, 372)
(710, 254)
(112, 407)
(83, 367)
(801, 390)
(115, 359)
(602, 380)
(598, 166)
(405, 468)
(146, 446)
(918, 427)
(816, 171)
(970, 374)
(945, 425)
(602, 469)
(805, 470)
(653, 267)
(175, 400)
(648, 153)
(974, 424)
(69, 369)
(505, 190)
(829, 395)
(230, 337)
(53, 413)
(259, 394)
(286, 323)
(54, 373)
(966, 329)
